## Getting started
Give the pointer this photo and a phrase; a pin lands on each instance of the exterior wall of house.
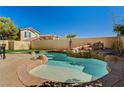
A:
(32, 34)
(49, 37)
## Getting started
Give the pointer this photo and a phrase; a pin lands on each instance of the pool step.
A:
(50, 57)
(64, 64)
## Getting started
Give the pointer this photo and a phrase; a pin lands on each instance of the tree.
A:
(119, 29)
(70, 36)
(7, 29)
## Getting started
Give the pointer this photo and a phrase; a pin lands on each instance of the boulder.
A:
(43, 59)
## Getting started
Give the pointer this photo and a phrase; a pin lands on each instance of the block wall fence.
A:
(60, 44)
(64, 43)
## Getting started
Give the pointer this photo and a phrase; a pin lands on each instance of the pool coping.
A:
(25, 77)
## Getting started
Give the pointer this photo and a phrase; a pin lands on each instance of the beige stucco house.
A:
(46, 37)
(49, 37)
(28, 34)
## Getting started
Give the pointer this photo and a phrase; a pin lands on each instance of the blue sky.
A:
(84, 21)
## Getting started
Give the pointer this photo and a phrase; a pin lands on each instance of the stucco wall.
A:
(64, 43)
(50, 44)
(20, 45)
(22, 37)
(5, 42)
(58, 44)
(122, 40)
(16, 45)
(81, 41)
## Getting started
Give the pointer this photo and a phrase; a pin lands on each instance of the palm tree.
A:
(70, 36)
(119, 29)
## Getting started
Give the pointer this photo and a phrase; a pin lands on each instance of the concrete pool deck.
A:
(8, 67)
(14, 65)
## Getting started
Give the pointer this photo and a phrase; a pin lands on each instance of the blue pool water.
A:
(63, 68)
(94, 67)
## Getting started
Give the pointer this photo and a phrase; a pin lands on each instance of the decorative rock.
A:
(111, 58)
(43, 59)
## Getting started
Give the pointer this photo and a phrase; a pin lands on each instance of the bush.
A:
(114, 45)
(72, 54)
(69, 52)
(111, 58)
(85, 54)
(97, 56)
(81, 54)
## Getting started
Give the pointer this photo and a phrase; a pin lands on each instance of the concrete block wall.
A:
(64, 43)
(60, 44)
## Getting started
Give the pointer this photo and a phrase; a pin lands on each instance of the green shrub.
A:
(81, 54)
(72, 54)
(97, 56)
(114, 45)
(94, 55)
(85, 54)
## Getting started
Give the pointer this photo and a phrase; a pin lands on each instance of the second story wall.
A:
(26, 34)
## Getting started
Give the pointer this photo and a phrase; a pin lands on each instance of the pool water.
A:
(62, 68)
(61, 74)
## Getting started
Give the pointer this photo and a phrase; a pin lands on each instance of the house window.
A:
(27, 35)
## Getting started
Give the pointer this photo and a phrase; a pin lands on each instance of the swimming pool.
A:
(63, 68)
